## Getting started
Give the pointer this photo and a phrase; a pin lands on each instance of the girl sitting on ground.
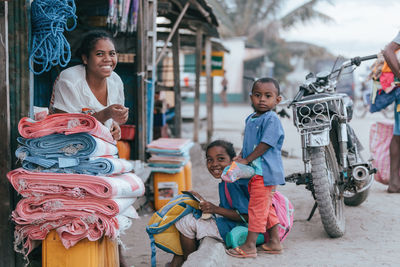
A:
(231, 212)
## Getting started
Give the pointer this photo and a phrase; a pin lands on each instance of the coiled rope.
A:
(49, 46)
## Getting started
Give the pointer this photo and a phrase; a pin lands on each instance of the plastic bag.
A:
(380, 136)
(236, 171)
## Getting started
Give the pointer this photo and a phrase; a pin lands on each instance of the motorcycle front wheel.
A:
(325, 175)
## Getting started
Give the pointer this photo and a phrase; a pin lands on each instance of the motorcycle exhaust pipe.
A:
(361, 176)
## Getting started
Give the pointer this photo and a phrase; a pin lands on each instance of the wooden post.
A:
(199, 42)
(212, 106)
(141, 99)
(209, 89)
(177, 85)
(151, 36)
(7, 257)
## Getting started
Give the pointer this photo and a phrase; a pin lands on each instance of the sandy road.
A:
(372, 229)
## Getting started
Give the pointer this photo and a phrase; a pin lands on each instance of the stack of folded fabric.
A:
(169, 155)
(72, 181)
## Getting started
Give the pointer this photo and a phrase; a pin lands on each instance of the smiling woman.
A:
(93, 87)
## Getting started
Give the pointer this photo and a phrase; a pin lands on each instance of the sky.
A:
(360, 27)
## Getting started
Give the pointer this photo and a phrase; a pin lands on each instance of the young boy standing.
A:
(262, 144)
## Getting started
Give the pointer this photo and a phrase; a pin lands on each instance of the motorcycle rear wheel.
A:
(325, 174)
(356, 199)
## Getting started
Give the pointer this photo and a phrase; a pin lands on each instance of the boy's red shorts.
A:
(262, 214)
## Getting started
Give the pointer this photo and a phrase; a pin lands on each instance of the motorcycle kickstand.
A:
(312, 211)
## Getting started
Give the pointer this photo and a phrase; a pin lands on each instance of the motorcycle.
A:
(334, 170)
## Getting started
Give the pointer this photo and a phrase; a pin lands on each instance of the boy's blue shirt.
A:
(240, 201)
(266, 128)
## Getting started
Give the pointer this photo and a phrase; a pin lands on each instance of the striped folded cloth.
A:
(34, 210)
(93, 166)
(70, 230)
(66, 123)
(79, 145)
(29, 183)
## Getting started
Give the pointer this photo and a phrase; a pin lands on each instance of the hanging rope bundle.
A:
(49, 45)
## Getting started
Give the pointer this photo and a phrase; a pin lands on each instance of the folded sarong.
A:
(79, 145)
(92, 166)
(70, 229)
(36, 210)
(29, 183)
(170, 143)
(66, 123)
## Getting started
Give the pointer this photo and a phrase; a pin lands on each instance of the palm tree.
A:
(261, 21)
(251, 18)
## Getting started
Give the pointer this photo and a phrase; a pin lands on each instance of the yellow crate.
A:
(100, 253)
(166, 186)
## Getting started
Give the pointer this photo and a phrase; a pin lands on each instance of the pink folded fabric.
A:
(169, 143)
(29, 183)
(66, 123)
(34, 210)
(91, 228)
(70, 229)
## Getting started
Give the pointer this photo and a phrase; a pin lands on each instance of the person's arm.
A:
(116, 112)
(260, 149)
(389, 53)
(208, 207)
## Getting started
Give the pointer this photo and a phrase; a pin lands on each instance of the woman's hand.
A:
(115, 131)
(117, 112)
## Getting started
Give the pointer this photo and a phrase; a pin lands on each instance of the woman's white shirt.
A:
(72, 94)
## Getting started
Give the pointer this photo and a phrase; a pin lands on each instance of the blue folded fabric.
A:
(168, 165)
(180, 152)
(97, 166)
(79, 145)
(165, 170)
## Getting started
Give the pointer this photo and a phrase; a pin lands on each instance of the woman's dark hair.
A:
(225, 144)
(266, 80)
(89, 41)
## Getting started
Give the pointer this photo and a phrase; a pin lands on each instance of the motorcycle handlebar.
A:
(357, 60)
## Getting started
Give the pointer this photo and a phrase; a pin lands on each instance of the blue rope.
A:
(49, 46)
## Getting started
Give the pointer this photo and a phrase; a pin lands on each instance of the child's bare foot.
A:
(272, 248)
(393, 190)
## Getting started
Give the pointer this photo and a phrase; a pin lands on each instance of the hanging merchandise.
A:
(122, 15)
(133, 16)
(49, 46)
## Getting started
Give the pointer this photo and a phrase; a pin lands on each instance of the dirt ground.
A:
(372, 229)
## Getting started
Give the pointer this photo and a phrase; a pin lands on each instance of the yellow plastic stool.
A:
(166, 186)
(100, 253)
